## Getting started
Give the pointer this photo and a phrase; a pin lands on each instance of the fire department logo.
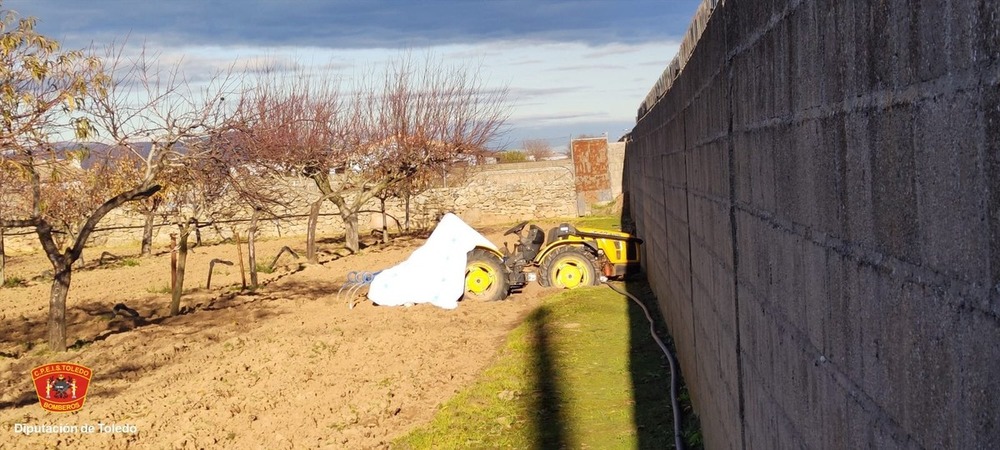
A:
(61, 387)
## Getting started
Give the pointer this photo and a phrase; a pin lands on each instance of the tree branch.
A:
(19, 223)
(138, 193)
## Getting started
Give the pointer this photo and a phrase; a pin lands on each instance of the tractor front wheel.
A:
(485, 279)
(569, 267)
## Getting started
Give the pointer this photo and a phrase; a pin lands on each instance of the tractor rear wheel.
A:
(569, 267)
(485, 278)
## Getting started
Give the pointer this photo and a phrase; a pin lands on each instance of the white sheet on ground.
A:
(435, 272)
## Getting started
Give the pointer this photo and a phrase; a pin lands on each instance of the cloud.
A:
(529, 92)
(561, 118)
(586, 67)
(351, 24)
(571, 67)
(559, 134)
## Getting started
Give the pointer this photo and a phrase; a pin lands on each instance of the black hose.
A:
(678, 441)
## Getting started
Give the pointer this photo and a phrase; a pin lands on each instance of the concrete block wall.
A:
(819, 191)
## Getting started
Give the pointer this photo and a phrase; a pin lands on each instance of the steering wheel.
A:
(516, 229)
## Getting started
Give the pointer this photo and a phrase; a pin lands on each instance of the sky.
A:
(572, 67)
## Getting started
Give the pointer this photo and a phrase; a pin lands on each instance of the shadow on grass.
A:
(649, 373)
(549, 421)
(651, 378)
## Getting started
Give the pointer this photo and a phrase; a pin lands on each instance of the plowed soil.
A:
(289, 365)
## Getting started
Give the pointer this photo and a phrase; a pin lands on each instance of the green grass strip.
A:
(581, 371)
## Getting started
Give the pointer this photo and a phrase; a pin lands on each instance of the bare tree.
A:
(204, 190)
(167, 137)
(260, 189)
(388, 129)
(149, 208)
(288, 126)
(431, 116)
(40, 93)
(8, 200)
(47, 94)
(537, 149)
(197, 190)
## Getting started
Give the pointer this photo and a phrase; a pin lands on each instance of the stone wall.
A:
(498, 193)
(818, 193)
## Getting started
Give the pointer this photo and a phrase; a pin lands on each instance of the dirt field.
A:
(290, 366)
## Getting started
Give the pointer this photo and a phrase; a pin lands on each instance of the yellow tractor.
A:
(568, 257)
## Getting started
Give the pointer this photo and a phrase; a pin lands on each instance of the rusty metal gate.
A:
(593, 183)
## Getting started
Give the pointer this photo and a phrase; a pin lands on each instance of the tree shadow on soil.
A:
(188, 329)
(28, 396)
(22, 332)
(375, 238)
(97, 323)
(94, 321)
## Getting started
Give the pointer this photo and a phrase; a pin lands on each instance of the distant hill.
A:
(98, 152)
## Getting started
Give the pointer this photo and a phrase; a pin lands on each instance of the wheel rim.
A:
(571, 273)
(479, 278)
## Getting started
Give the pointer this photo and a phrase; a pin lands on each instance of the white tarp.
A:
(435, 272)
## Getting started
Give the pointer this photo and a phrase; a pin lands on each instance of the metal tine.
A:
(339, 291)
(355, 282)
(352, 294)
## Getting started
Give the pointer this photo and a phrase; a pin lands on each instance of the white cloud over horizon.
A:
(551, 84)
(572, 67)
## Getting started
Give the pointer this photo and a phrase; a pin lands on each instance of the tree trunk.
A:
(351, 238)
(239, 254)
(385, 223)
(350, 219)
(3, 260)
(406, 221)
(62, 264)
(311, 254)
(197, 233)
(182, 252)
(63, 271)
(147, 234)
(173, 262)
(251, 249)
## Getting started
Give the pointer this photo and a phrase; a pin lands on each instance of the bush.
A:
(130, 262)
(14, 282)
(264, 268)
(512, 157)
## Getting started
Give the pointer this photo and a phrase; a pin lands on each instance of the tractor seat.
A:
(556, 233)
(552, 235)
(533, 242)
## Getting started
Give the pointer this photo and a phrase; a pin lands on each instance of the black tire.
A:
(551, 271)
(490, 275)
